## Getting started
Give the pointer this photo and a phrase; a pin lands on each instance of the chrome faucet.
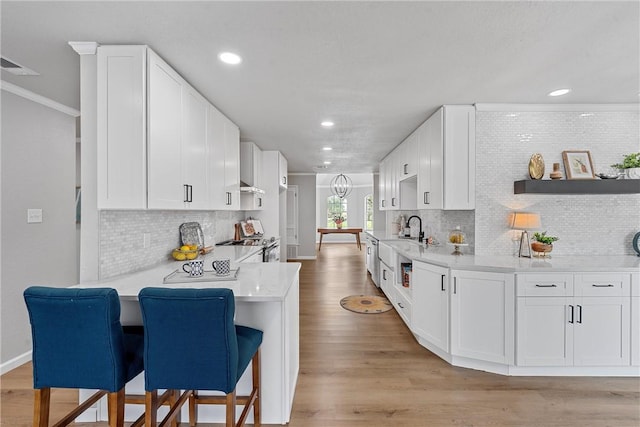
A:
(421, 234)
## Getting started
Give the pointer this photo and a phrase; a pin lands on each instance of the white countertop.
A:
(234, 253)
(256, 281)
(441, 255)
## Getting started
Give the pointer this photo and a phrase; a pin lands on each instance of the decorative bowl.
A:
(182, 254)
(541, 248)
(608, 176)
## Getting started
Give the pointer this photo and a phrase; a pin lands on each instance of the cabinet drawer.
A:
(403, 307)
(544, 285)
(603, 284)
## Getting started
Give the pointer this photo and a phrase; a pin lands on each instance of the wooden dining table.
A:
(350, 230)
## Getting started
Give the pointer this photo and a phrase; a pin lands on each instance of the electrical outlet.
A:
(146, 240)
(34, 216)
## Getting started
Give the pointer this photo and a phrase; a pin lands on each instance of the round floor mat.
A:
(367, 304)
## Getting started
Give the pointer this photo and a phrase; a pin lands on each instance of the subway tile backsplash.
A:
(585, 224)
(122, 236)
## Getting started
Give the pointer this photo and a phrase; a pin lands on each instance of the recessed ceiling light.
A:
(230, 58)
(327, 148)
(327, 163)
(327, 124)
(559, 92)
(586, 114)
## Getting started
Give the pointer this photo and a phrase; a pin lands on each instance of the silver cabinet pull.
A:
(455, 285)
(384, 274)
(595, 285)
(186, 192)
(546, 286)
(383, 204)
(393, 201)
(442, 282)
(400, 304)
(426, 198)
(405, 168)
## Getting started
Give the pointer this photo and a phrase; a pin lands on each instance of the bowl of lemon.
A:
(185, 252)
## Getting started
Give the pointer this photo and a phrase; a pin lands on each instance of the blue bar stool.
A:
(78, 342)
(191, 344)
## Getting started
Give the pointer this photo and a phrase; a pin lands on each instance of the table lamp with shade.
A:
(525, 221)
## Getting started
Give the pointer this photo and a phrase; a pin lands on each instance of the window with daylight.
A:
(368, 212)
(336, 212)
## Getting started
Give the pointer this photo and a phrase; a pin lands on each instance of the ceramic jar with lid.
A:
(457, 236)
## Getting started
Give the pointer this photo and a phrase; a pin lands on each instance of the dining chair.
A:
(78, 342)
(192, 344)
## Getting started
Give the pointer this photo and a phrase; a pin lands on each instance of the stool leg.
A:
(255, 363)
(231, 409)
(193, 409)
(41, 402)
(151, 408)
(115, 403)
(173, 399)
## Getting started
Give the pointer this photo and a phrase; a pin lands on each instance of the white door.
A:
(292, 215)
(166, 189)
(429, 319)
(482, 316)
(545, 331)
(601, 331)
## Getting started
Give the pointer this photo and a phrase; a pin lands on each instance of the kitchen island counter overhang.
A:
(267, 298)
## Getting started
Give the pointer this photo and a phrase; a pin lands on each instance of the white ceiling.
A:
(377, 69)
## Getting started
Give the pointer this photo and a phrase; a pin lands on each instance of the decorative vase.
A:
(556, 174)
(338, 225)
(542, 249)
(632, 173)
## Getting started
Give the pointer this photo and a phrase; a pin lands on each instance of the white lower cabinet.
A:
(430, 312)
(403, 305)
(635, 331)
(574, 330)
(386, 282)
(482, 316)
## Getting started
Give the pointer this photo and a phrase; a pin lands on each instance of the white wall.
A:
(38, 171)
(306, 214)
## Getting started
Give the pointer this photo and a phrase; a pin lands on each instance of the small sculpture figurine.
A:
(556, 174)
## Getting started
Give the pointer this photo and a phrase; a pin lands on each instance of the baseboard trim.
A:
(10, 365)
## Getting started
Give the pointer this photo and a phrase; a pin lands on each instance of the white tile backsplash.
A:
(121, 236)
(585, 224)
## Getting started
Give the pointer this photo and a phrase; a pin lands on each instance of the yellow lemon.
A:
(185, 248)
(179, 256)
(193, 247)
(191, 255)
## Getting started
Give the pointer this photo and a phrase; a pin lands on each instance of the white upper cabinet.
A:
(121, 127)
(459, 163)
(408, 161)
(430, 174)
(282, 170)
(223, 145)
(156, 148)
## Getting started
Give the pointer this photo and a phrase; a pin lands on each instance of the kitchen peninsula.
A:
(266, 297)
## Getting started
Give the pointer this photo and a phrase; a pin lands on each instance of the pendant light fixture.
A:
(341, 185)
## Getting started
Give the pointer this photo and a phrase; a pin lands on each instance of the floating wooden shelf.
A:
(583, 186)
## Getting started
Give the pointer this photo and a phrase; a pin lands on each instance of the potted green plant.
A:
(630, 165)
(542, 243)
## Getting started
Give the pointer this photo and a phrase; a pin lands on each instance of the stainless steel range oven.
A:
(271, 250)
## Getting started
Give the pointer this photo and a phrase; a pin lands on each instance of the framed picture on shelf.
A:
(578, 164)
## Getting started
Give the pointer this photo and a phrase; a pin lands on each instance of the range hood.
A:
(254, 190)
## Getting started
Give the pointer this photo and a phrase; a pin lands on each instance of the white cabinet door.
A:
(386, 282)
(459, 157)
(545, 332)
(382, 186)
(121, 127)
(601, 331)
(166, 188)
(283, 170)
(218, 198)
(409, 160)
(393, 172)
(482, 316)
(635, 331)
(430, 168)
(430, 312)
(194, 149)
(232, 164)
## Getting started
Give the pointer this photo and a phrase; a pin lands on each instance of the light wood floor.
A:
(361, 370)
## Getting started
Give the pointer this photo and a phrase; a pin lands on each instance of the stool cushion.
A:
(191, 342)
(78, 341)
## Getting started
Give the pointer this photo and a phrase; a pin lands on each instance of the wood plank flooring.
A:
(361, 370)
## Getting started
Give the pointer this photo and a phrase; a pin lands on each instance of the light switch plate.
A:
(34, 216)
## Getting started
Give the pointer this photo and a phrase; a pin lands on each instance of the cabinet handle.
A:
(401, 306)
(259, 202)
(383, 204)
(595, 285)
(426, 198)
(546, 286)
(384, 274)
(455, 285)
(405, 168)
(579, 314)
(228, 198)
(186, 193)
(442, 283)
(191, 193)
(393, 201)
(369, 250)
(570, 314)
(284, 180)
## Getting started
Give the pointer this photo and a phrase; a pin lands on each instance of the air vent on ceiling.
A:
(15, 68)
